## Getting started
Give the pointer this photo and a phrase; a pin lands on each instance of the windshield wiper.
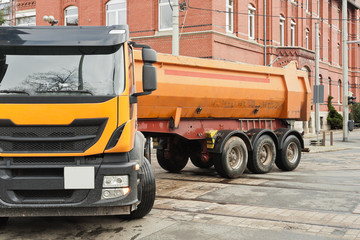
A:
(67, 91)
(15, 91)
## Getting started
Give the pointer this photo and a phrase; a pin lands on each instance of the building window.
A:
(165, 14)
(229, 15)
(26, 18)
(282, 30)
(339, 92)
(307, 33)
(251, 15)
(116, 12)
(329, 87)
(292, 31)
(5, 10)
(71, 16)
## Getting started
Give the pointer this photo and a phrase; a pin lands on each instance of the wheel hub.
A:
(265, 154)
(292, 152)
(234, 158)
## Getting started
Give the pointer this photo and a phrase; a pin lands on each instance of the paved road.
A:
(319, 200)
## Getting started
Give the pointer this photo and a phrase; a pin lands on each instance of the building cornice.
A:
(26, 4)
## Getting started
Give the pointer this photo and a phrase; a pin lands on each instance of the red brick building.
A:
(232, 30)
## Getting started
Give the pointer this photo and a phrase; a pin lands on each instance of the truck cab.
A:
(69, 143)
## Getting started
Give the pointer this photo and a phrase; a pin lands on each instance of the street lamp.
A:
(50, 19)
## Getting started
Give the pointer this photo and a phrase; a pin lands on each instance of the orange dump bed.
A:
(201, 88)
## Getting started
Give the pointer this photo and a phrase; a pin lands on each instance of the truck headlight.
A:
(114, 192)
(116, 181)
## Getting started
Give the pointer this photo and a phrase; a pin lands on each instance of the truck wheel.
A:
(175, 163)
(289, 157)
(263, 156)
(196, 160)
(231, 163)
(148, 187)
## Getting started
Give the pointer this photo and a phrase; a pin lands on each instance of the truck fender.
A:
(283, 133)
(137, 153)
(223, 135)
(256, 133)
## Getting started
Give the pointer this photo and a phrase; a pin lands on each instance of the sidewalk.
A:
(354, 141)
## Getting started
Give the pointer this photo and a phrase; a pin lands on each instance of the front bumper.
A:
(35, 187)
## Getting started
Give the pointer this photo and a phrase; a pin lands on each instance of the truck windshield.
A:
(62, 75)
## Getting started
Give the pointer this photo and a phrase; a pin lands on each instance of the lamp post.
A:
(345, 72)
(51, 20)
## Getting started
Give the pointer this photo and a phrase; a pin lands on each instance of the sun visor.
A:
(48, 40)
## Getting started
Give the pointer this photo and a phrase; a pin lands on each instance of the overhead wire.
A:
(270, 16)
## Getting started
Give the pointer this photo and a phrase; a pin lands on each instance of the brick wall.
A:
(204, 33)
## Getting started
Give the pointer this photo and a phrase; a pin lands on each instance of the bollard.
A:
(323, 140)
(331, 139)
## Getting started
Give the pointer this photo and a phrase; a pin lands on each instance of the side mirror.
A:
(149, 77)
(149, 55)
(149, 71)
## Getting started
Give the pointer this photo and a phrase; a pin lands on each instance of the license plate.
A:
(79, 177)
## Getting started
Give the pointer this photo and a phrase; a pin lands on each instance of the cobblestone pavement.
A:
(319, 200)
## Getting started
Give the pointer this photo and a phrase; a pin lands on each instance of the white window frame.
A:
(72, 15)
(251, 22)
(307, 35)
(282, 30)
(293, 33)
(230, 16)
(26, 14)
(160, 5)
(116, 11)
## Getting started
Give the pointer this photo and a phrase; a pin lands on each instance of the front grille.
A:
(76, 137)
(37, 172)
(43, 160)
(29, 195)
(62, 146)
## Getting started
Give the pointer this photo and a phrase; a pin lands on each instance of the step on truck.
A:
(230, 115)
(69, 144)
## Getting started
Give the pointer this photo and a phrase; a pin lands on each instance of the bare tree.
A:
(53, 81)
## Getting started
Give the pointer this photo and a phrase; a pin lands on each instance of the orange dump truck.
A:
(225, 114)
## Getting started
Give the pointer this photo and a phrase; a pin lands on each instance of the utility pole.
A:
(345, 72)
(317, 80)
(175, 26)
(265, 33)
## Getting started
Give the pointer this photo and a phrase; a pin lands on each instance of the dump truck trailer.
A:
(230, 115)
(69, 143)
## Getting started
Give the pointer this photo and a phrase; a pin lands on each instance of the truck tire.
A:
(263, 156)
(288, 158)
(148, 187)
(196, 160)
(174, 164)
(231, 163)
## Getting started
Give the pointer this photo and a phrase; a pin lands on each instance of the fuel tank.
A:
(197, 88)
